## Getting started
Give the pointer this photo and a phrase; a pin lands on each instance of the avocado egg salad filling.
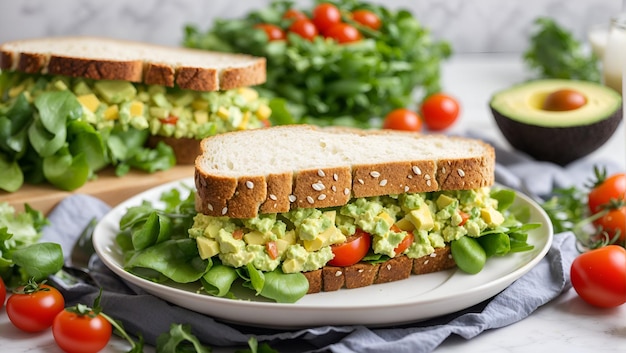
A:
(63, 129)
(268, 254)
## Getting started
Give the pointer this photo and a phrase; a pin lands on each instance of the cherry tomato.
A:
(613, 187)
(304, 28)
(81, 333)
(171, 120)
(599, 276)
(367, 18)
(325, 15)
(563, 100)
(440, 111)
(343, 33)
(353, 250)
(3, 293)
(293, 14)
(614, 223)
(273, 32)
(33, 307)
(403, 119)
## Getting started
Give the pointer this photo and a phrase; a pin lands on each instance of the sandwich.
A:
(70, 106)
(335, 208)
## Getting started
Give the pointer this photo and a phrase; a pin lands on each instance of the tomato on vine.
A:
(293, 14)
(403, 119)
(599, 276)
(32, 308)
(81, 329)
(325, 15)
(604, 189)
(440, 111)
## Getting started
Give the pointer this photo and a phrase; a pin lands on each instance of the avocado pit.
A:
(556, 120)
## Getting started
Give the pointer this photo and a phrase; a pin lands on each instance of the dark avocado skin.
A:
(561, 145)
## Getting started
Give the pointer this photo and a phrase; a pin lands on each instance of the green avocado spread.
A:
(300, 240)
(164, 111)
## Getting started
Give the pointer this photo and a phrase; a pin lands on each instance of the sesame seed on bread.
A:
(329, 166)
(114, 59)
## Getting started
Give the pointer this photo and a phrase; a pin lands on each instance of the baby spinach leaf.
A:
(11, 178)
(219, 279)
(284, 287)
(38, 260)
(65, 171)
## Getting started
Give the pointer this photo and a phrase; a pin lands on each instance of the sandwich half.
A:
(106, 99)
(347, 208)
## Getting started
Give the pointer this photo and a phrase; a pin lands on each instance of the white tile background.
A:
(470, 25)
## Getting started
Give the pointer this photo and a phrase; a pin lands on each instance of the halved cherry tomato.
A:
(367, 18)
(304, 28)
(81, 333)
(273, 32)
(171, 120)
(32, 308)
(440, 111)
(343, 33)
(613, 187)
(238, 234)
(325, 15)
(403, 119)
(293, 14)
(3, 293)
(405, 243)
(271, 249)
(353, 250)
(599, 276)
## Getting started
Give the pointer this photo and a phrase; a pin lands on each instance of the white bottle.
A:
(614, 58)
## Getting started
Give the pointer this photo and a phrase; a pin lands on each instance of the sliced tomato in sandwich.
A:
(352, 250)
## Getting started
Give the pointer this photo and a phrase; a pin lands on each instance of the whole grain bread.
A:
(241, 174)
(332, 278)
(113, 59)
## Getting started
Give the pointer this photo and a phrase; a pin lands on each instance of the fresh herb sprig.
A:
(555, 53)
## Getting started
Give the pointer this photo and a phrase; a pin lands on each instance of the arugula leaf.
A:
(180, 340)
(555, 53)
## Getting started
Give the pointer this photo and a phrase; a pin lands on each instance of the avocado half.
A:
(560, 137)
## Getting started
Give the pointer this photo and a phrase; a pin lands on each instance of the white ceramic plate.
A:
(414, 299)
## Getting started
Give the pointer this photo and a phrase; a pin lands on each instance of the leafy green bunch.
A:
(325, 82)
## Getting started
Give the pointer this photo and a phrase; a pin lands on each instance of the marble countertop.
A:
(566, 324)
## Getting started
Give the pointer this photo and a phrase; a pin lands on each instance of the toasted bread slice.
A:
(112, 59)
(244, 173)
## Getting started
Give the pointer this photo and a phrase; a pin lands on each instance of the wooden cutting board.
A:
(108, 187)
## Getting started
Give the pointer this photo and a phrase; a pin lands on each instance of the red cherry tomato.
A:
(3, 293)
(599, 276)
(613, 187)
(613, 223)
(403, 119)
(367, 18)
(273, 32)
(304, 28)
(440, 111)
(33, 307)
(81, 333)
(325, 15)
(343, 33)
(293, 14)
(353, 250)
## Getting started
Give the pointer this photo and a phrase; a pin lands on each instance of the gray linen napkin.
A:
(142, 312)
